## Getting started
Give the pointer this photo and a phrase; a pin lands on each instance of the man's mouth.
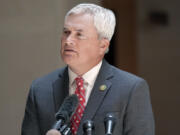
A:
(69, 50)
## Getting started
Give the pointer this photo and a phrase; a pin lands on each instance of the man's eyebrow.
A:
(65, 28)
(79, 30)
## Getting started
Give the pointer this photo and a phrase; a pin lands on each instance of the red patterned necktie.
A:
(76, 118)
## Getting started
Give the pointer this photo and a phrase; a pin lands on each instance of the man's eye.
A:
(79, 34)
(66, 32)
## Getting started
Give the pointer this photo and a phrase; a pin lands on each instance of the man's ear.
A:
(104, 44)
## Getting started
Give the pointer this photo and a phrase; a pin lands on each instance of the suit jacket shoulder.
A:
(50, 77)
(126, 96)
(125, 76)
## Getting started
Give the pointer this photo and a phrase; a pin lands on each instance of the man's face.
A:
(80, 44)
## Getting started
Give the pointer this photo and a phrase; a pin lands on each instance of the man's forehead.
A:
(75, 29)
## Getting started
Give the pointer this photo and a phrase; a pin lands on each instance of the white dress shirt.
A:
(89, 80)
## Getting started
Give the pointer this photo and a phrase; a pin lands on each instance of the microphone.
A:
(65, 112)
(88, 127)
(109, 123)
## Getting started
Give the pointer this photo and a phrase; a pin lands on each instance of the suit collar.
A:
(61, 88)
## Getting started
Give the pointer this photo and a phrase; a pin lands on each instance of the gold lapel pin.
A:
(102, 87)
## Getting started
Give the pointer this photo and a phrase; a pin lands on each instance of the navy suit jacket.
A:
(126, 95)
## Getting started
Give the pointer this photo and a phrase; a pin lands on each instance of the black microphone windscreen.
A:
(67, 108)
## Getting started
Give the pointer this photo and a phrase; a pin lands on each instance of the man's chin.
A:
(69, 62)
(68, 59)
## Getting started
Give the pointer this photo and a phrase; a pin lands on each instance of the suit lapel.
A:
(61, 88)
(97, 95)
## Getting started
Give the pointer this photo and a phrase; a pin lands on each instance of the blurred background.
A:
(146, 43)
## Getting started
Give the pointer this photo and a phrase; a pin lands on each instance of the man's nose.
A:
(70, 40)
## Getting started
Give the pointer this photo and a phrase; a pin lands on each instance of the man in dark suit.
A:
(88, 29)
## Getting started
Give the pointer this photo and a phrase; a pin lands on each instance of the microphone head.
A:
(110, 116)
(88, 125)
(67, 108)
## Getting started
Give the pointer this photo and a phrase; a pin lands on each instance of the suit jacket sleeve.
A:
(30, 125)
(139, 117)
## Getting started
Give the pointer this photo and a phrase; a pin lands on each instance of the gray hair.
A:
(104, 19)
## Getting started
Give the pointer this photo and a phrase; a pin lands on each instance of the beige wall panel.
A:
(29, 48)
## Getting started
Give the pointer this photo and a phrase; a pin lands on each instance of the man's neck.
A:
(81, 70)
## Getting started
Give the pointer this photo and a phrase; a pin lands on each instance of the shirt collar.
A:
(89, 76)
(72, 76)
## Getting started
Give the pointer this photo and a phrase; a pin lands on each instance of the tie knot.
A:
(79, 81)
